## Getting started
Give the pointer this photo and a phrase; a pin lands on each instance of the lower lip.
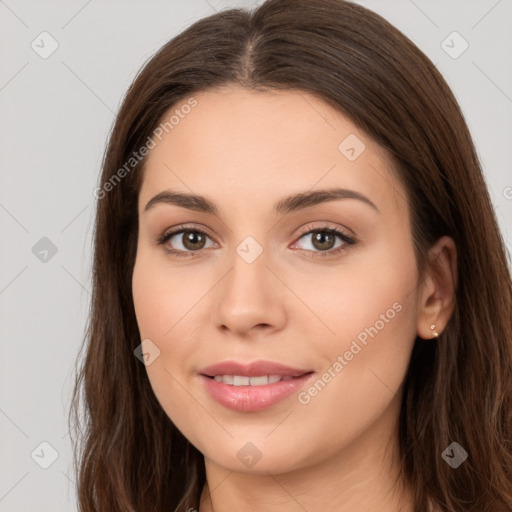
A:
(253, 398)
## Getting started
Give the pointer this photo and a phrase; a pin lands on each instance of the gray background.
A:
(56, 114)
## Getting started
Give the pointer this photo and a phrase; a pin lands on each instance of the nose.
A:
(250, 298)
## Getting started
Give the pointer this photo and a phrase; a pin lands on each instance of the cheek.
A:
(363, 377)
(360, 297)
(372, 313)
(165, 302)
(163, 295)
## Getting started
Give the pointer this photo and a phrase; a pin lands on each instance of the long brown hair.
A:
(128, 454)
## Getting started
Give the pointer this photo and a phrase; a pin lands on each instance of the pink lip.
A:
(252, 398)
(253, 369)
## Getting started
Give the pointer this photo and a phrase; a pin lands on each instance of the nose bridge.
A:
(249, 294)
(249, 273)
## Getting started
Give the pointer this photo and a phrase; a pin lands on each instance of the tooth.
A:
(239, 380)
(242, 380)
(259, 381)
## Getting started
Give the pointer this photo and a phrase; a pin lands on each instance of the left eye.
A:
(323, 238)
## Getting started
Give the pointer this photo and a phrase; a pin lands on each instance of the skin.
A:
(244, 151)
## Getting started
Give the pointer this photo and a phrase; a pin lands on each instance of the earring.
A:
(435, 334)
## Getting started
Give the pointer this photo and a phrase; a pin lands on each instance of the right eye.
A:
(191, 240)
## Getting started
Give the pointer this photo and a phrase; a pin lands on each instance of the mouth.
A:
(259, 380)
(255, 369)
(252, 387)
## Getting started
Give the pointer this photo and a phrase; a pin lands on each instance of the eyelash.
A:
(348, 241)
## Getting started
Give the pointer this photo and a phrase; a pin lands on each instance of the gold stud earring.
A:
(435, 334)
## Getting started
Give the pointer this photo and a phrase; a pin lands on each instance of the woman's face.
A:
(261, 278)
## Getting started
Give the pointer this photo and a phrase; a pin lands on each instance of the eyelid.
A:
(184, 227)
(306, 229)
(313, 226)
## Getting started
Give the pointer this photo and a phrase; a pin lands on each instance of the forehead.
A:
(237, 145)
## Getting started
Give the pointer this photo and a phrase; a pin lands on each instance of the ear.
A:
(438, 291)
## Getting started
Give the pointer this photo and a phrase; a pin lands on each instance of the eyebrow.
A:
(286, 205)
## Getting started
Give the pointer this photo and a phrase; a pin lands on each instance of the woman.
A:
(301, 298)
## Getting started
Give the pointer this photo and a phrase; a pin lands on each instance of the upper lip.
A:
(252, 369)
